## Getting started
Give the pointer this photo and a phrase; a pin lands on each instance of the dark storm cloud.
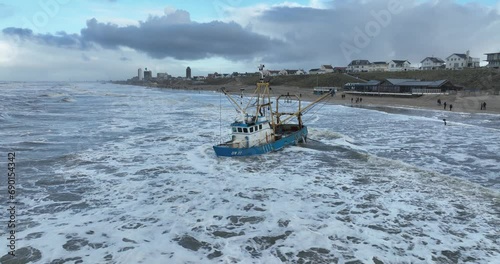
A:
(176, 36)
(173, 35)
(60, 39)
(361, 29)
(377, 30)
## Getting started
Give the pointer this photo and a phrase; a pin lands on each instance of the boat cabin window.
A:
(234, 129)
(240, 130)
(256, 128)
(245, 130)
(260, 126)
(251, 130)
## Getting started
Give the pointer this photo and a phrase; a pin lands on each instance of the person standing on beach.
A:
(444, 105)
(484, 106)
(451, 106)
(439, 101)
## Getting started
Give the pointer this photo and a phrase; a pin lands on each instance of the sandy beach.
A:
(460, 101)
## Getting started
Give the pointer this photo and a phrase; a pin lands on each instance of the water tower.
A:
(140, 75)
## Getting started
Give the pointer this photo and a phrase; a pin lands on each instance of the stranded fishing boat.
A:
(263, 130)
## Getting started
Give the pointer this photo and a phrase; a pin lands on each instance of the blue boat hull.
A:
(224, 150)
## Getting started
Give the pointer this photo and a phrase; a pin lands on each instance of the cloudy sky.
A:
(110, 39)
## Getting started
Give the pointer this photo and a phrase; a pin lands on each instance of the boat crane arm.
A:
(306, 108)
(232, 100)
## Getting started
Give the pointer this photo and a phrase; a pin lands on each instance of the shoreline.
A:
(461, 103)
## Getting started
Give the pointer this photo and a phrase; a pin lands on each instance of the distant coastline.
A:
(462, 101)
(479, 86)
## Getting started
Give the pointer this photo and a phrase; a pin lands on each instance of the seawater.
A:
(124, 174)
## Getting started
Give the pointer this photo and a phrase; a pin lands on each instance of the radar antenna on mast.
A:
(261, 70)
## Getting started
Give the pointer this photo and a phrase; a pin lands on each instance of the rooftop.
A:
(461, 55)
(400, 61)
(433, 59)
(416, 82)
(359, 62)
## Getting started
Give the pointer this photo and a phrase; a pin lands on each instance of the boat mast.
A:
(263, 88)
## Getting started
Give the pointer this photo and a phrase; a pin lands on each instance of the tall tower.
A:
(148, 74)
(140, 74)
(188, 73)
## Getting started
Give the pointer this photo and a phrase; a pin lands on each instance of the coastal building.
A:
(326, 68)
(493, 60)
(458, 61)
(358, 66)
(399, 65)
(140, 75)
(370, 86)
(300, 72)
(414, 86)
(214, 75)
(432, 63)
(188, 73)
(340, 69)
(244, 74)
(292, 72)
(284, 72)
(316, 71)
(162, 76)
(274, 72)
(378, 66)
(148, 75)
(401, 86)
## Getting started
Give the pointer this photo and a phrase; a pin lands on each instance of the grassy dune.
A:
(481, 79)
